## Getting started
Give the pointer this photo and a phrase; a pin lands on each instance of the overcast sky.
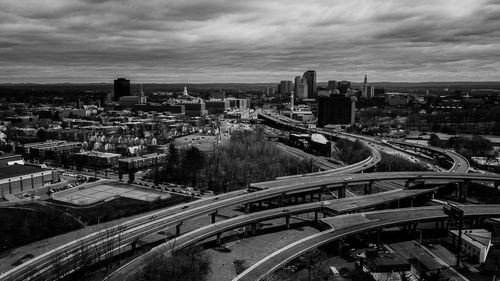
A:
(248, 40)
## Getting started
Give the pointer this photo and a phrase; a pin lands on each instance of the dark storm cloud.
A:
(248, 41)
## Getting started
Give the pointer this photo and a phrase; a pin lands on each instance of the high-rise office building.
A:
(332, 85)
(286, 87)
(364, 92)
(121, 89)
(343, 86)
(300, 88)
(370, 91)
(336, 110)
(310, 76)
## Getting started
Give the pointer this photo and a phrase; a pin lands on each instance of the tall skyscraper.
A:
(285, 87)
(121, 89)
(300, 88)
(310, 76)
(370, 91)
(332, 85)
(336, 110)
(343, 86)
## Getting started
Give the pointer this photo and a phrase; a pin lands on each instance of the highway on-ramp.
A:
(356, 223)
(339, 206)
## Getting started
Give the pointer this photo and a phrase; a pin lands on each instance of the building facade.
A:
(336, 110)
(310, 77)
(121, 88)
(300, 87)
(285, 87)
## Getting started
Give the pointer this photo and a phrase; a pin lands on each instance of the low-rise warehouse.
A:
(19, 178)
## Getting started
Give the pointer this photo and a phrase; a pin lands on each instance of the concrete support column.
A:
(463, 190)
(21, 182)
(247, 208)
(213, 216)
(218, 239)
(303, 198)
(260, 204)
(43, 180)
(178, 229)
(287, 221)
(411, 201)
(32, 182)
(407, 184)
(254, 228)
(316, 217)
(368, 187)
(10, 186)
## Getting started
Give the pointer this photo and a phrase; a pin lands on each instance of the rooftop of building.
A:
(99, 154)
(13, 171)
(478, 237)
(151, 155)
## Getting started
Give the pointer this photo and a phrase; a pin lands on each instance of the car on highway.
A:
(326, 203)
(348, 178)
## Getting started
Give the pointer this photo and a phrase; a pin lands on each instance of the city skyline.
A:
(237, 41)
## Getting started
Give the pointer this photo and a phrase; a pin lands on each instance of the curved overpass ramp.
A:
(358, 223)
(130, 231)
(339, 206)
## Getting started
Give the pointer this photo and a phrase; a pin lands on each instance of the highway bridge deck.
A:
(346, 225)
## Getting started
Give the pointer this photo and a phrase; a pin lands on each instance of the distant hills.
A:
(238, 86)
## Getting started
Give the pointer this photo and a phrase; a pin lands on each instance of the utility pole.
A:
(457, 215)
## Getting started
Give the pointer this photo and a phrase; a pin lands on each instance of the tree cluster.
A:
(189, 264)
(247, 157)
(467, 146)
(395, 163)
(352, 152)
(32, 223)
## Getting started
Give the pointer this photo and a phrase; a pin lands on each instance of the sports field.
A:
(104, 192)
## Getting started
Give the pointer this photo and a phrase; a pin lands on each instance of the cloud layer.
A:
(248, 41)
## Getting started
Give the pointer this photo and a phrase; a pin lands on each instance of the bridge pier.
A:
(342, 190)
(254, 228)
(411, 201)
(368, 187)
(213, 216)
(462, 190)
(287, 221)
(218, 239)
(178, 229)
(247, 208)
(407, 184)
(316, 214)
(303, 198)
(260, 205)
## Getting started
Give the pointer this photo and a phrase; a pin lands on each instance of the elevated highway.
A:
(459, 163)
(129, 232)
(343, 226)
(131, 270)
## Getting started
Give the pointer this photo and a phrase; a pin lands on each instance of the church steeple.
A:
(366, 79)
